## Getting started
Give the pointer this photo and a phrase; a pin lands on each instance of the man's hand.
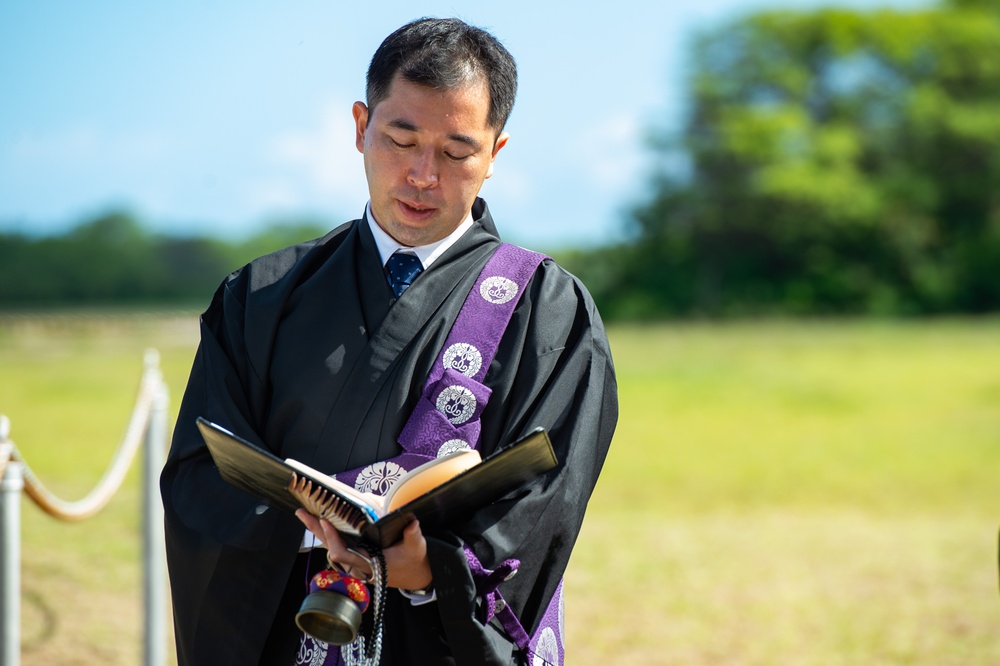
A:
(406, 561)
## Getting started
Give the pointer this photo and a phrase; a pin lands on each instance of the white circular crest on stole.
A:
(457, 403)
(547, 649)
(451, 446)
(463, 357)
(312, 652)
(498, 289)
(379, 477)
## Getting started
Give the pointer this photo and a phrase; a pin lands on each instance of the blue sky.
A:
(216, 117)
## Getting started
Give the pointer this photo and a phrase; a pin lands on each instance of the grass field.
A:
(805, 493)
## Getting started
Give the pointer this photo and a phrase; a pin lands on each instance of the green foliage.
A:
(840, 161)
(113, 259)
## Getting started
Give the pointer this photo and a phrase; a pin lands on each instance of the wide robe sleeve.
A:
(221, 542)
(221, 389)
(553, 369)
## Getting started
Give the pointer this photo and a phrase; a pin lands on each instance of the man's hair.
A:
(445, 53)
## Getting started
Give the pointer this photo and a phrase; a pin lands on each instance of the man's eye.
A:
(456, 158)
(400, 145)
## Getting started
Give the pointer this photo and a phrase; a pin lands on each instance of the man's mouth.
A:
(416, 210)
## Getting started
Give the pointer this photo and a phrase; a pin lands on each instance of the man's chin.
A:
(410, 234)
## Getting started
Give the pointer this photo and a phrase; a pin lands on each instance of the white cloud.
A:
(510, 183)
(85, 144)
(612, 153)
(270, 195)
(322, 161)
(53, 175)
(74, 143)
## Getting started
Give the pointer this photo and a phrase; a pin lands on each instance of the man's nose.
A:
(423, 171)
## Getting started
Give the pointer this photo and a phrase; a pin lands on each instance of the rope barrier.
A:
(146, 427)
(114, 475)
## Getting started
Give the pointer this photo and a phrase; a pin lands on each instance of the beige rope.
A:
(111, 481)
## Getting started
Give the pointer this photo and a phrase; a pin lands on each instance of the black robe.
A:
(306, 353)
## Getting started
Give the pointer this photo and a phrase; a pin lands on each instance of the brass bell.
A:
(332, 610)
(330, 617)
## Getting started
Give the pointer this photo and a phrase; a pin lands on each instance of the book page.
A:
(369, 500)
(428, 476)
(344, 515)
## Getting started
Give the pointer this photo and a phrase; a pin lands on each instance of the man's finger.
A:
(311, 522)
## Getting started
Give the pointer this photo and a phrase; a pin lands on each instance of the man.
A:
(310, 353)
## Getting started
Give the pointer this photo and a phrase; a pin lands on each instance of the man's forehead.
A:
(475, 90)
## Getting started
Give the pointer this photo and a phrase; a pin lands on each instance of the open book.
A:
(441, 493)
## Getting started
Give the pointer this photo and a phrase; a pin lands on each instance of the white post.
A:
(10, 555)
(154, 550)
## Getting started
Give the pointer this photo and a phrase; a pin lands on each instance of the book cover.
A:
(268, 477)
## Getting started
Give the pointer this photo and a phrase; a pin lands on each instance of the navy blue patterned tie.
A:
(402, 269)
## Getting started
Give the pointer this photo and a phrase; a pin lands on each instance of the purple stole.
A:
(446, 419)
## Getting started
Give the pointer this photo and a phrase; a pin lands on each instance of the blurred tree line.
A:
(832, 161)
(113, 259)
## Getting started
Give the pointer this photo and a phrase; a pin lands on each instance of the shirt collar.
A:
(427, 254)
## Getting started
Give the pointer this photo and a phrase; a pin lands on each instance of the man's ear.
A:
(500, 143)
(360, 112)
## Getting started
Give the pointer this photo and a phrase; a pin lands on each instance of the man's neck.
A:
(426, 253)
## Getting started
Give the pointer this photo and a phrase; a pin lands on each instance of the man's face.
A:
(427, 152)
